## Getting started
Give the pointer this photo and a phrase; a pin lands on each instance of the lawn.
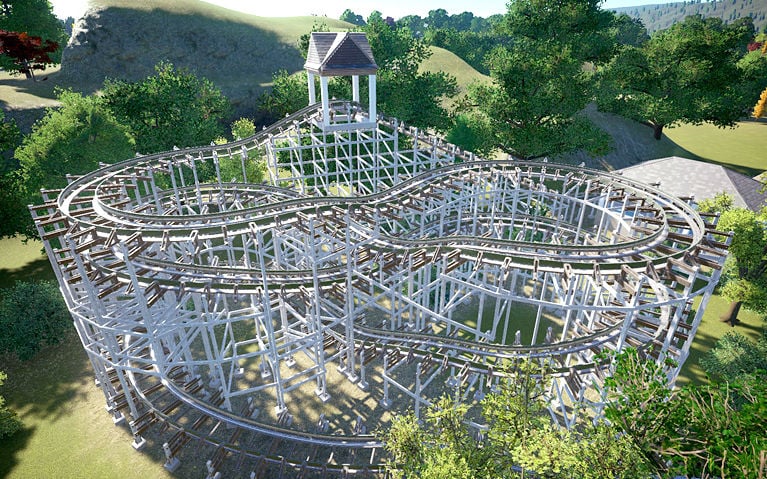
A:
(743, 148)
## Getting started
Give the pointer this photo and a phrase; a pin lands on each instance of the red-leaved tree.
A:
(29, 53)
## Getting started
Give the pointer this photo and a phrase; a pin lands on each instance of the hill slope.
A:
(662, 16)
(238, 52)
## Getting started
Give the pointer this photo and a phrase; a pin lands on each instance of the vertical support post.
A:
(310, 85)
(356, 88)
(372, 97)
(325, 104)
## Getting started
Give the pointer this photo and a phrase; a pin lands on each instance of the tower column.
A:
(372, 97)
(312, 93)
(356, 88)
(325, 104)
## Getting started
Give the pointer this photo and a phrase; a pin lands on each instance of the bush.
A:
(735, 355)
(9, 421)
(32, 315)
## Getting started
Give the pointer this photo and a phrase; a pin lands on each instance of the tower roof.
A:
(340, 54)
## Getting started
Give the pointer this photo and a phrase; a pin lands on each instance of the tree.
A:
(519, 435)
(629, 30)
(243, 128)
(353, 18)
(34, 18)
(171, 108)
(32, 315)
(539, 83)
(71, 139)
(760, 105)
(687, 73)
(403, 90)
(735, 356)
(9, 420)
(743, 282)
(697, 431)
(28, 53)
(745, 273)
(9, 134)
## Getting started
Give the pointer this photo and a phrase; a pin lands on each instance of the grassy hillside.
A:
(662, 16)
(125, 39)
(442, 60)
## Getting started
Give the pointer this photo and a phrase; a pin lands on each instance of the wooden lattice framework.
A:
(197, 297)
(221, 312)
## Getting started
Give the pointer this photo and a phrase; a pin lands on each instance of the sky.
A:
(334, 8)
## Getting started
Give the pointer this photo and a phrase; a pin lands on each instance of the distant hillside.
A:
(662, 16)
(238, 52)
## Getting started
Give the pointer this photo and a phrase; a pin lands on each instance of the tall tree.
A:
(744, 279)
(539, 81)
(353, 18)
(404, 91)
(26, 52)
(71, 139)
(171, 108)
(687, 73)
(35, 18)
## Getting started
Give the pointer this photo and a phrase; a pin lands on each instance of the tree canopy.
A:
(71, 139)
(34, 18)
(171, 108)
(28, 53)
(539, 81)
(687, 73)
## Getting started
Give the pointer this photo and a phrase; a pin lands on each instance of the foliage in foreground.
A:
(32, 315)
(520, 439)
(9, 420)
(697, 431)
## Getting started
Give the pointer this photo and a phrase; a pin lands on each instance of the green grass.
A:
(442, 60)
(22, 260)
(710, 330)
(67, 433)
(743, 148)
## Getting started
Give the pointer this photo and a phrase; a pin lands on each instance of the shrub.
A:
(32, 315)
(9, 421)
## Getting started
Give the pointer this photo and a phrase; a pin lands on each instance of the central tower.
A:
(341, 54)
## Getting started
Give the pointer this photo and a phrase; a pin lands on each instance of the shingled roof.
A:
(340, 54)
(684, 177)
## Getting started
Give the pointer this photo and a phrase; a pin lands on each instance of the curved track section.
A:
(274, 324)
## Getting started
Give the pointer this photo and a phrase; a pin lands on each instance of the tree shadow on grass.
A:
(11, 446)
(36, 270)
(47, 386)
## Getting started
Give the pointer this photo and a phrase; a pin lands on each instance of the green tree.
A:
(734, 356)
(540, 83)
(32, 315)
(9, 420)
(353, 18)
(745, 273)
(243, 128)
(9, 135)
(697, 431)
(71, 139)
(171, 108)
(519, 434)
(687, 73)
(403, 91)
(36, 19)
